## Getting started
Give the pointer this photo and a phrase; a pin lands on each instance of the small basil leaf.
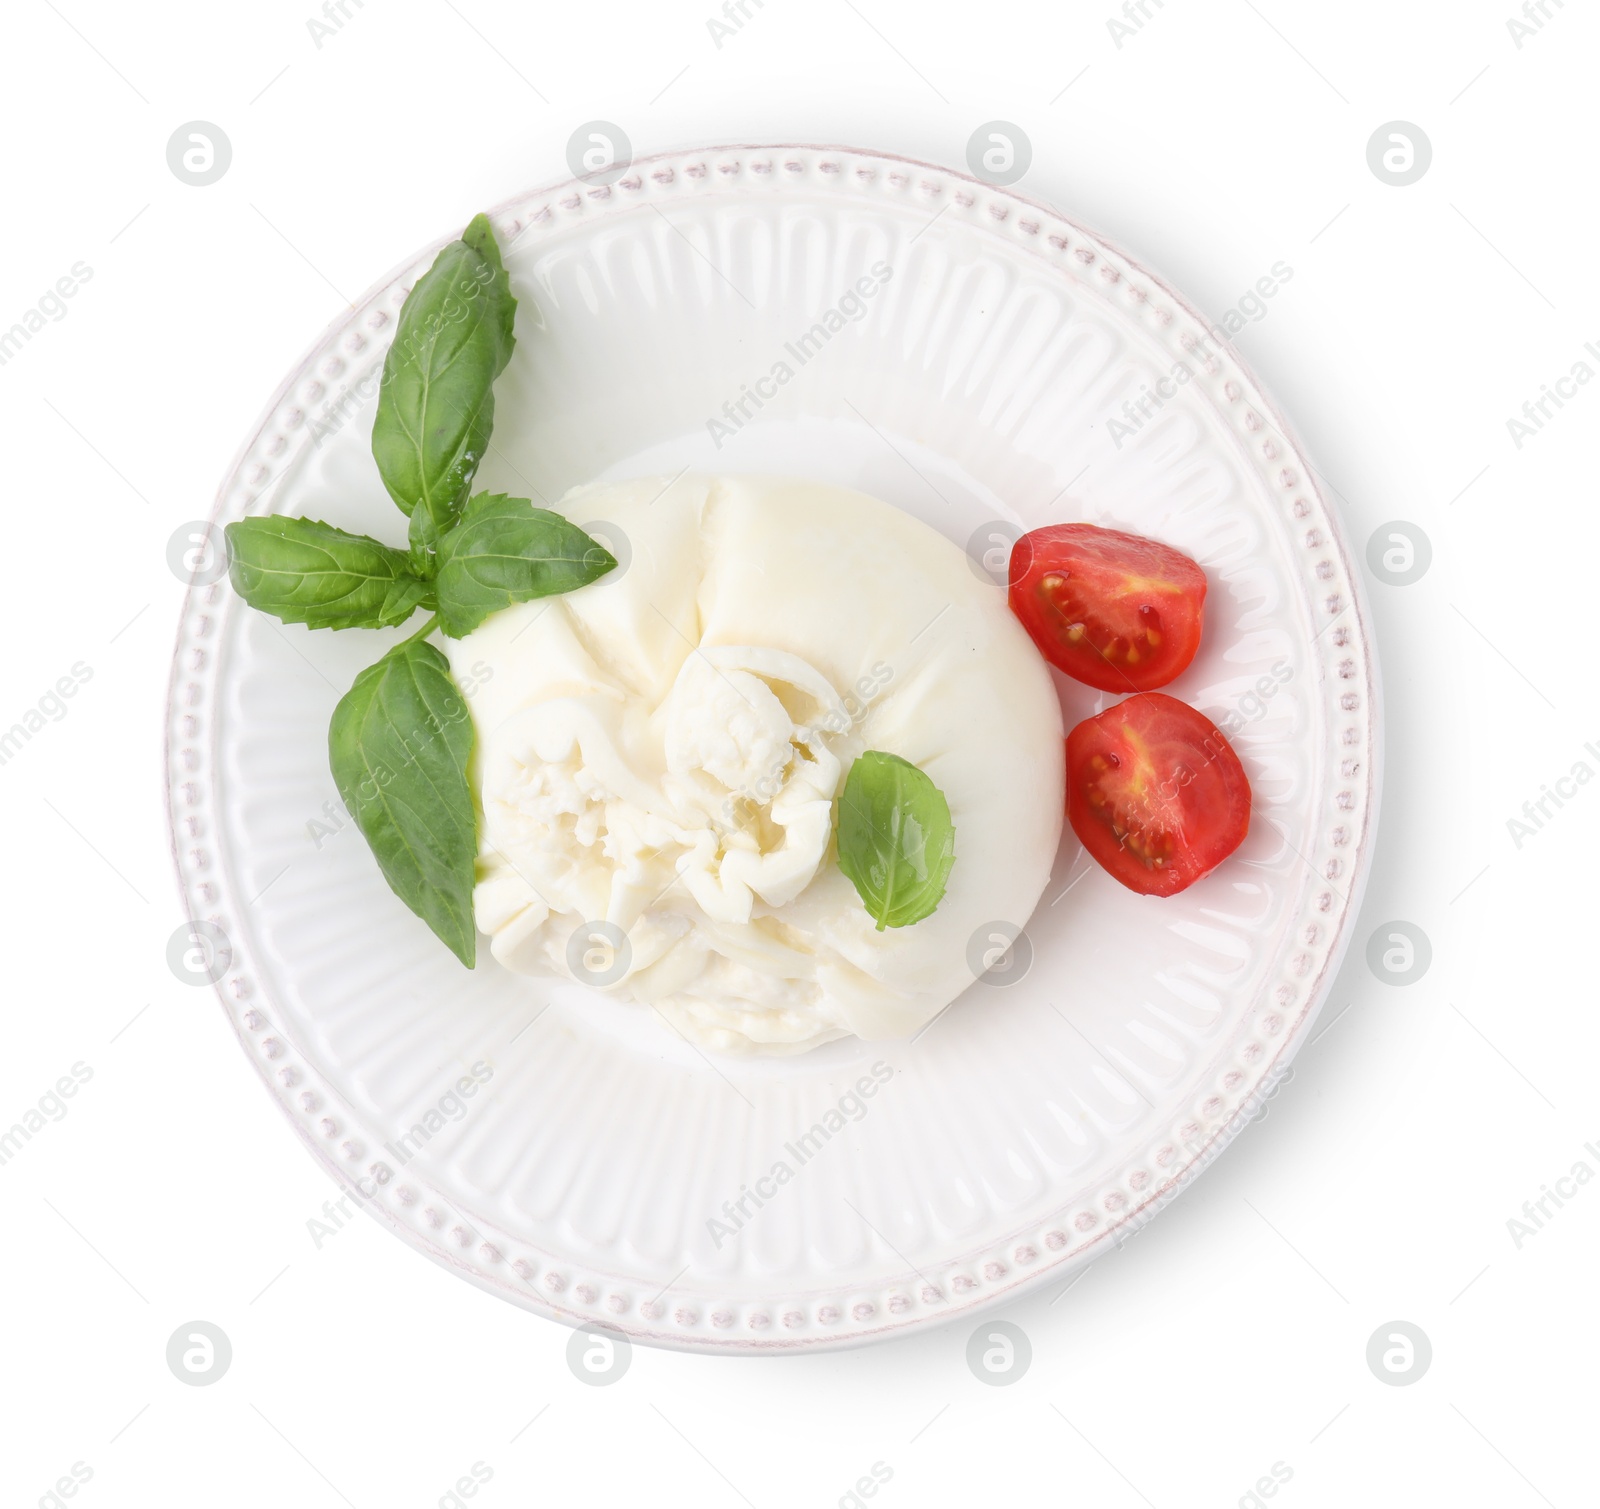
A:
(423, 538)
(405, 596)
(896, 841)
(436, 400)
(399, 744)
(506, 551)
(308, 572)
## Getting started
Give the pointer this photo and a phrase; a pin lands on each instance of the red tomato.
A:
(1115, 610)
(1156, 793)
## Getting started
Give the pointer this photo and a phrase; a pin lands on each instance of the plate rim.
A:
(489, 1268)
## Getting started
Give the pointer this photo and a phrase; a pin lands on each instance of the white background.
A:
(1220, 137)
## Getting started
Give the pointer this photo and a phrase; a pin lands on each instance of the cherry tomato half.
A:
(1115, 610)
(1156, 793)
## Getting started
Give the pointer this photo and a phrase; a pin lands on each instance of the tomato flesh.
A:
(1116, 611)
(1155, 793)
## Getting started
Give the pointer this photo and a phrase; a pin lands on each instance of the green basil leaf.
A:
(406, 595)
(436, 400)
(308, 572)
(399, 745)
(506, 551)
(896, 841)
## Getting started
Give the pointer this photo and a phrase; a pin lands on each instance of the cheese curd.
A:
(658, 755)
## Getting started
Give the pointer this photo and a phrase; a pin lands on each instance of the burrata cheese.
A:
(658, 757)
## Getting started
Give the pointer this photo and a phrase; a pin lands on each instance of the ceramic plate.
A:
(989, 366)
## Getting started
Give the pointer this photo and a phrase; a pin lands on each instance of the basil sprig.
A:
(895, 838)
(401, 738)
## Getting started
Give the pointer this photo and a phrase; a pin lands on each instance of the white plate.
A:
(1030, 1124)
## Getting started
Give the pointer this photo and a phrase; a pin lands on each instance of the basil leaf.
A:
(896, 841)
(436, 400)
(506, 551)
(399, 744)
(308, 572)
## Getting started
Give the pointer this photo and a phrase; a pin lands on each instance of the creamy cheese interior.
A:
(658, 756)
